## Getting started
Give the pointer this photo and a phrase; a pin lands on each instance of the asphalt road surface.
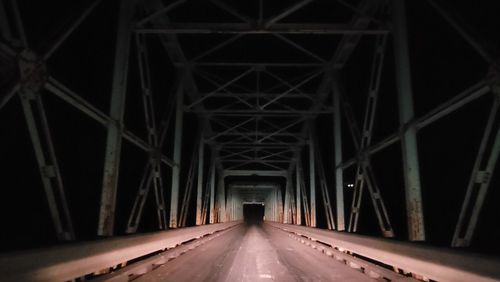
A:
(254, 253)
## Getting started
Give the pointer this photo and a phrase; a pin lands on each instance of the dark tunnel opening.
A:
(253, 213)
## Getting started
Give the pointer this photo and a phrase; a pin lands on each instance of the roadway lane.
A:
(254, 253)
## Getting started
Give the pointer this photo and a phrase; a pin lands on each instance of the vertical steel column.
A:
(234, 198)
(199, 190)
(273, 205)
(267, 205)
(281, 205)
(176, 170)
(339, 174)
(278, 208)
(230, 204)
(236, 202)
(305, 203)
(293, 211)
(221, 197)
(212, 190)
(239, 211)
(286, 218)
(117, 109)
(298, 220)
(312, 178)
(414, 209)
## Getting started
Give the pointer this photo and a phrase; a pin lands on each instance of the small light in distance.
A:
(350, 185)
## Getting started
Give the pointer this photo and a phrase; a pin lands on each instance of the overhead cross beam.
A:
(243, 28)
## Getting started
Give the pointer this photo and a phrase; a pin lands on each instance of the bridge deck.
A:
(254, 253)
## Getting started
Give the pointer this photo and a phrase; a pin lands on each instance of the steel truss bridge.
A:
(258, 88)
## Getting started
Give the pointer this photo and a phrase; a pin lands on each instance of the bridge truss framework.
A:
(258, 131)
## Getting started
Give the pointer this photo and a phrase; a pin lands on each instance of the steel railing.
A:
(440, 264)
(67, 262)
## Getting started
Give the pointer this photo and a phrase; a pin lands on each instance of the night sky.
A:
(442, 66)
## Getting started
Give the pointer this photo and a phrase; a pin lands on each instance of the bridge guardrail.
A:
(440, 264)
(67, 262)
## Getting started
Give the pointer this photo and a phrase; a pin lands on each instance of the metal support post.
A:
(479, 182)
(312, 178)
(287, 207)
(293, 211)
(117, 110)
(302, 184)
(199, 190)
(239, 207)
(267, 208)
(278, 206)
(221, 197)
(212, 191)
(416, 229)
(176, 170)
(229, 205)
(298, 219)
(339, 175)
(275, 205)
